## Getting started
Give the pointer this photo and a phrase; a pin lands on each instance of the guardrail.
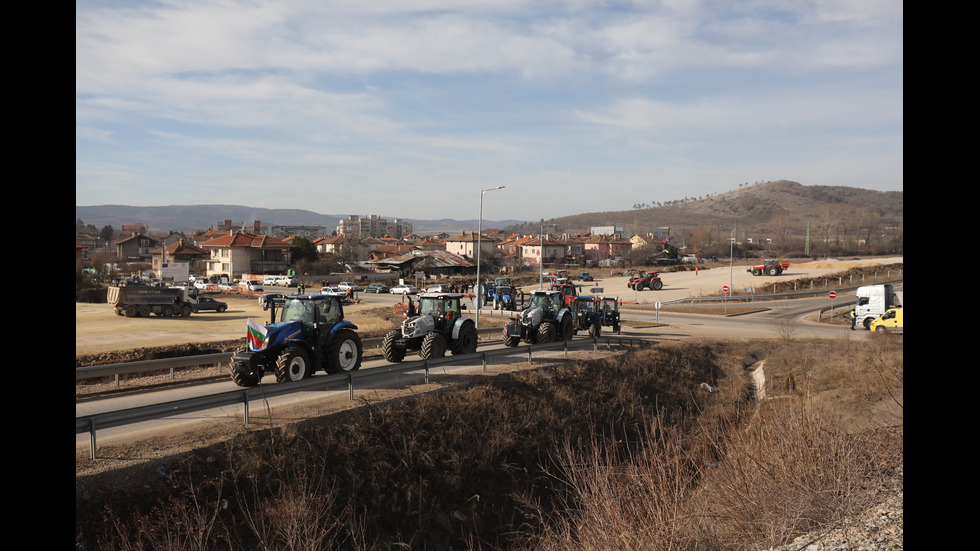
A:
(795, 294)
(218, 359)
(92, 423)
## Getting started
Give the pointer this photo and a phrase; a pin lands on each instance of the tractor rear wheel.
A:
(546, 332)
(773, 271)
(567, 329)
(658, 285)
(433, 346)
(293, 365)
(595, 330)
(465, 343)
(392, 353)
(345, 352)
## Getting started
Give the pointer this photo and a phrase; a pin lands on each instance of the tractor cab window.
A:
(328, 312)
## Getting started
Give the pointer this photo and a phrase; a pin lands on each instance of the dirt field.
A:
(98, 329)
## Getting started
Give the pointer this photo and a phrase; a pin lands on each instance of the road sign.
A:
(657, 305)
(725, 288)
(833, 294)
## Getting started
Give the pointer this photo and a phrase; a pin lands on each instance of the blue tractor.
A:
(311, 335)
(504, 298)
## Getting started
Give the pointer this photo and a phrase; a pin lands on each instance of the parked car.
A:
(252, 285)
(332, 290)
(403, 289)
(437, 288)
(208, 303)
(271, 281)
(265, 299)
(227, 286)
(345, 285)
(585, 276)
(201, 284)
(376, 288)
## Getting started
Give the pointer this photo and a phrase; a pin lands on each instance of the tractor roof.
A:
(441, 295)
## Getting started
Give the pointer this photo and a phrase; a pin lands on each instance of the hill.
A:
(752, 205)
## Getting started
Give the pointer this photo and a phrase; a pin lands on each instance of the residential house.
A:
(542, 250)
(241, 253)
(465, 245)
(601, 247)
(136, 248)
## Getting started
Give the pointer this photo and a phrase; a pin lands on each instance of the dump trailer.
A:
(140, 301)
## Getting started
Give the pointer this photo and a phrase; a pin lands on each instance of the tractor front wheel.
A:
(595, 330)
(567, 329)
(245, 379)
(293, 365)
(546, 332)
(392, 353)
(433, 346)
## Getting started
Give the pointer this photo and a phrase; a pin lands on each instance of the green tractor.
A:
(438, 327)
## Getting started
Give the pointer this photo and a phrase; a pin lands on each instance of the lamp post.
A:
(541, 263)
(479, 246)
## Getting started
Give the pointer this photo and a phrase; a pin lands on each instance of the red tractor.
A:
(566, 288)
(645, 280)
(769, 267)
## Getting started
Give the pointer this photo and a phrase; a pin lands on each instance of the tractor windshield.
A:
(431, 306)
(548, 302)
(298, 310)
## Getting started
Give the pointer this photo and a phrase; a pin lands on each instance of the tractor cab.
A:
(567, 289)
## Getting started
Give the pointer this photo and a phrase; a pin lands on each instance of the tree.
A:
(106, 233)
(303, 250)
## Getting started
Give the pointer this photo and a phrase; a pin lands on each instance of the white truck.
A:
(873, 301)
(141, 301)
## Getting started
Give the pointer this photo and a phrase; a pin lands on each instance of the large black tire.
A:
(595, 330)
(143, 311)
(131, 312)
(658, 285)
(167, 311)
(508, 340)
(186, 311)
(222, 309)
(465, 343)
(567, 329)
(773, 271)
(245, 379)
(392, 353)
(546, 332)
(345, 353)
(867, 323)
(756, 272)
(293, 365)
(433, 346)
(638, 287)
(616, 328)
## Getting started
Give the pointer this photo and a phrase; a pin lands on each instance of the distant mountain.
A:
(189, 218)
(752, 206)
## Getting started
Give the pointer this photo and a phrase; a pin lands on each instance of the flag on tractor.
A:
(256, 334)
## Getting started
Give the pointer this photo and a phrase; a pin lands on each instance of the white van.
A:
(252, 285)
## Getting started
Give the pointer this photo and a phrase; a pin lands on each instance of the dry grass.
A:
(647, 449)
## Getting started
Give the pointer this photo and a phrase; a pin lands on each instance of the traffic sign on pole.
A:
(725, 288)
(833, 294)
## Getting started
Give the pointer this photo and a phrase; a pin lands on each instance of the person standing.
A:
(853, 318)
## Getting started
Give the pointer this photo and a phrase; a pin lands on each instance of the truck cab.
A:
(873, 301)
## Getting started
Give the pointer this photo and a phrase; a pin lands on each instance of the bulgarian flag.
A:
(256, 334)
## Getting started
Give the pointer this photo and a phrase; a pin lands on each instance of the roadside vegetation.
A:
(666, 447)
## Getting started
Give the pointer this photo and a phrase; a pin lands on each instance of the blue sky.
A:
(409, 108)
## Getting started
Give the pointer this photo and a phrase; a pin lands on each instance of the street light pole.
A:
(479, 246)
(541, 255)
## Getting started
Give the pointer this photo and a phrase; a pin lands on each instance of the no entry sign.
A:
(833, 294)
(725, 288)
